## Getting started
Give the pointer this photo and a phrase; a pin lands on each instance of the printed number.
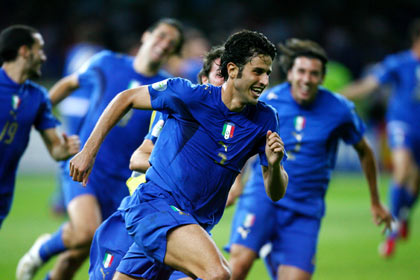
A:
(8, 132)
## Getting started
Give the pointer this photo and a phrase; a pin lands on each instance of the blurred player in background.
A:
(402, 71)
(24, 104)
(312, 121)
(104, 258)
(210, 133)
(88, 42)
(108, 73)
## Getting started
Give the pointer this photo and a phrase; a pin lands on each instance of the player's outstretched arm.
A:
(63, 88)
(60, 148)
(82, 163)
(360, 88)
(275, 177)
(368, 163)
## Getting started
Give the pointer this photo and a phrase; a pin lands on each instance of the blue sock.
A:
(53, 246)
(410, 198)
(396, 197)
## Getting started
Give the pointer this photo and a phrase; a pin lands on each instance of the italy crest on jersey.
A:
(15, 102)
(299, 122)
(108, 259)
(160, 86)
(228, 130)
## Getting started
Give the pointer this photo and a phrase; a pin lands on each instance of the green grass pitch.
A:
(347, 248)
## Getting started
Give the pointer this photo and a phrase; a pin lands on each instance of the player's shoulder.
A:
(108, 57)
(275, 93)
(399, 58)
(181, 84)
(335, 101)
(36, 88)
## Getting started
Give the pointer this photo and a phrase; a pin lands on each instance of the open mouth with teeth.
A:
(257, 91)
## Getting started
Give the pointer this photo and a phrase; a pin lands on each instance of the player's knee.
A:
(83, 238)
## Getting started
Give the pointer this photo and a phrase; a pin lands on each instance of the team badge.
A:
(15, 102)
(300, 123)
(228, 130)
(160, 86)
(249, 220)
(108, 259)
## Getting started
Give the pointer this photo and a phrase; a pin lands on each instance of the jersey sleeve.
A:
(44, 118)
(89, 73)
(353, 128)
(385, 70)
(156, 124)
(173, 96)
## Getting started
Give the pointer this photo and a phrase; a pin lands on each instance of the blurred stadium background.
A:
(355, 34)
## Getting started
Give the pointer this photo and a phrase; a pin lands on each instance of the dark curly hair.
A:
(242, 46)
(12, 38)
(294, 48)
(209, 58)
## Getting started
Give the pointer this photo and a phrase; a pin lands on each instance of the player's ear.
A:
(23, 51)
(204, 80)
(232, 70)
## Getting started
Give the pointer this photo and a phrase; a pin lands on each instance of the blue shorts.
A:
(108, 191)
(110, 244)
(149, 216)
(253, 224)
(294, 242)
(402, 135)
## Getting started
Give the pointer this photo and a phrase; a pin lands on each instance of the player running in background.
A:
(106, 251)
(312, 121)
(24, 104)
(402, 72)
(109, 73)
(210, 133)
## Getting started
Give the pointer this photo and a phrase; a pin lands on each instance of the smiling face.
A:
(305, 76)
(35, 57)
(254, 78)
(161, 43)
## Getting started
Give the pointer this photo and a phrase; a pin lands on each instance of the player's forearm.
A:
(360, 89)
(139, 161)
(275, 181)
(368, 164)
(63, 88)
(60, 152)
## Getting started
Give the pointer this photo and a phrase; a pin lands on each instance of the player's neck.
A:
(14, 71)
(230, 98)
(144, 67)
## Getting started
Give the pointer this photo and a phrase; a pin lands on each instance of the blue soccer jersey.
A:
(203, 145)
(310, 135)
(74, 108)
(108, 74)
(21, 107)
(402, 72)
